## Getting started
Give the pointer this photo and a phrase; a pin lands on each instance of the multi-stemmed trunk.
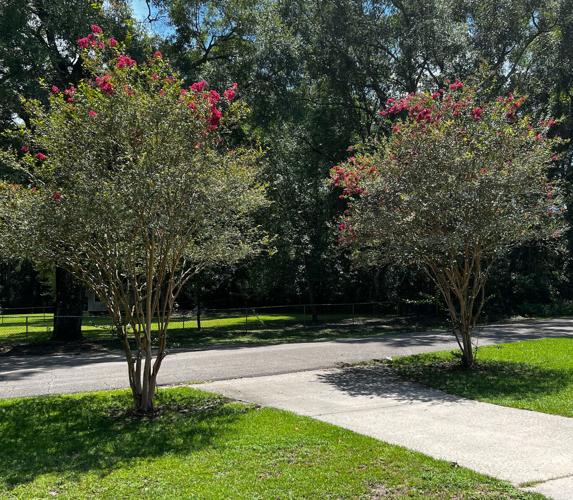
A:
(143, 366)
(462, 285)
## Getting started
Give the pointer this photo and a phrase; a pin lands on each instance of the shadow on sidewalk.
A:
(380, 381)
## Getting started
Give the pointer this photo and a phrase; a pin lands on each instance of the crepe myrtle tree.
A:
(134, 187)
(461, 180)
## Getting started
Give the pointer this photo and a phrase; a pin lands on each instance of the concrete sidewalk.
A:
(524, 447)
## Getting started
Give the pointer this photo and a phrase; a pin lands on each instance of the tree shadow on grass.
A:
(274, 334)
(73, 435)
(491, 380)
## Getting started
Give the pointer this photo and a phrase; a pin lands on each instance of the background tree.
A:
(136, 186)
(460, 182)
(316, 73)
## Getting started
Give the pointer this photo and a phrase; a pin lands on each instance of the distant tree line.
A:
(315, 74)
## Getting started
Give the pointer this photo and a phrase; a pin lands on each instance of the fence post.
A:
(246, 320)
(353, 315)
(26, 326)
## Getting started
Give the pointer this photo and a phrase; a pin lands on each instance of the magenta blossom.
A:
(198, 86)
(96, 29)
(230, 93)
(104, 84)
(216, 116)
(457, 85)
(214, 97)
(124, 61)
(41, 156)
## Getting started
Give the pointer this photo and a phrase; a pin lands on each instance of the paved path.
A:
(35, 375)
(516, 445)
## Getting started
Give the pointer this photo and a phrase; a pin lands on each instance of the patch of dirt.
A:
(380, 490)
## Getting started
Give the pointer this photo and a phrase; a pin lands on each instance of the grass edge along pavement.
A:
(532, 375)
(203, 445)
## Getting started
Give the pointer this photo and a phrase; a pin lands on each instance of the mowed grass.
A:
(202, 446)
(13, 328)
(241, 329)
(534, 374)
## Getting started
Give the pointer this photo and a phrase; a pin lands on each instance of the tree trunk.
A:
(70, 297)
(197, 304)
(143, 401)
(468, 358)
(463, 288)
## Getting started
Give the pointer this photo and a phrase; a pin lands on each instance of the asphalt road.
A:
(54, 374)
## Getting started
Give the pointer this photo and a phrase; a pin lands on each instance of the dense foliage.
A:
(461, 180)
(315, 74)
(135, 186)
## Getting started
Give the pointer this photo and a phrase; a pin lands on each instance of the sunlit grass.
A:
(533, 374)
(239, 328)
(202, 446)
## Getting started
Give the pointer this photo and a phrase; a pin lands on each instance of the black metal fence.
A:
(29, 324)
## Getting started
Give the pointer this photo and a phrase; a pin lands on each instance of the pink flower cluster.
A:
(457, 85)
(104, 84)
(396, 105)
(430, 108)
(212, 97)
(94, 40)
(215, 118)
(124, 61)
(346, 231)
(70, 92)
(424, 115)
(349, 176)
(198, 86)
(231, 92)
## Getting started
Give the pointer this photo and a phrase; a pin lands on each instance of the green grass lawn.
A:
(534, 374)
(250, 329)
(202, 446)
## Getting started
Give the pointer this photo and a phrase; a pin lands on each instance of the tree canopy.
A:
(461, 181)
(136, 184)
